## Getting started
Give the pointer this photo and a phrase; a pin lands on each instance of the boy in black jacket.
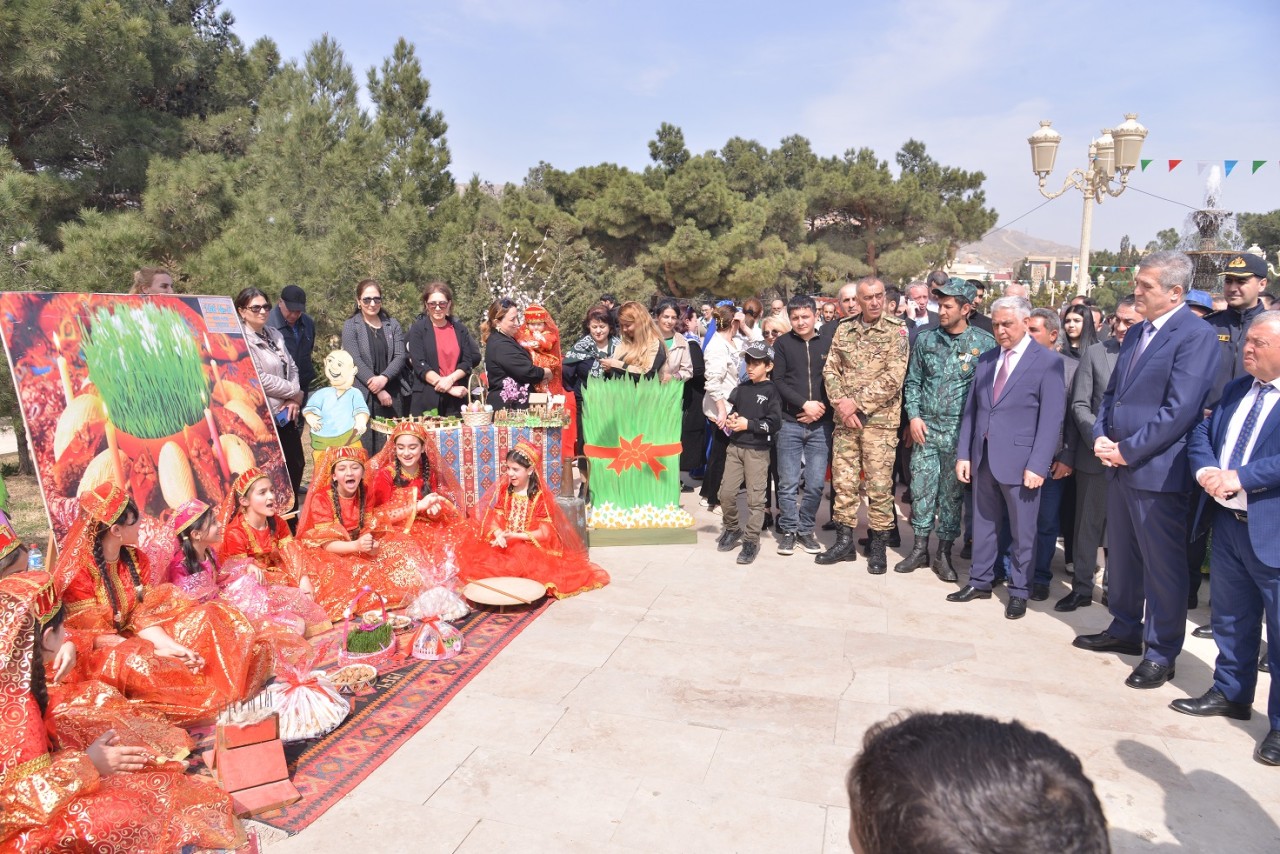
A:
(755, 414)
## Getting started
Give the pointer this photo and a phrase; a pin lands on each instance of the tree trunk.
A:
(25, 464)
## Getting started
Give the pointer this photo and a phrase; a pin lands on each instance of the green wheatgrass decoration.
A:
(147, 368)
(622, 409)
(366, 641)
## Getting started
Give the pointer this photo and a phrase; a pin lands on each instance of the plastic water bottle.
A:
(35, 558)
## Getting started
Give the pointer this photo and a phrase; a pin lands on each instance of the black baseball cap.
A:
(294, 298)
(759, 351)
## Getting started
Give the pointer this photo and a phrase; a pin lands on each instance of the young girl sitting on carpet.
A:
(349, 541)
(421, 495)
(196, 571)
(150, 642)
(109, 797)
(523, 533)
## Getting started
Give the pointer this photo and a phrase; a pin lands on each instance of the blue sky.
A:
(576, 83)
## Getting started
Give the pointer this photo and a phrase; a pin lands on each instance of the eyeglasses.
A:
(438, 305)
(261, 308)
(371, 300)
(772, 333)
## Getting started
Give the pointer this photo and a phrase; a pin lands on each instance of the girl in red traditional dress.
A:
(540, 336)
(408, 472)
(108, 798)
(523, 533)
(195, 570)
(151, 642)
(350, 542)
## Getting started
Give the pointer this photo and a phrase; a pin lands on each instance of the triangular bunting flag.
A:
(1257, 164)
(1145, 164)
(1228, 165)
(1173, 164)
(1201, 165)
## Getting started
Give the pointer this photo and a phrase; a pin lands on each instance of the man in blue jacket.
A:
(1235, 455)
(1009, 432)
(1156, 394)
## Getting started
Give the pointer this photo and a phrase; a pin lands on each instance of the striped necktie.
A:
(1246, 431)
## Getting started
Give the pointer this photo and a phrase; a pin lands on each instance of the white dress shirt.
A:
(1240, 501)
(1013, 355)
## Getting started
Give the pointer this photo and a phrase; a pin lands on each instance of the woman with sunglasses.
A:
(376, 344)
(279, 375)
(442, 354)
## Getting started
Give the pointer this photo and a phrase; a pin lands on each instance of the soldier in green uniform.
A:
(863, 376)
(939, 374)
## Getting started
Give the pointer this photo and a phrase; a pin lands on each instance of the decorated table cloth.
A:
(476, 455)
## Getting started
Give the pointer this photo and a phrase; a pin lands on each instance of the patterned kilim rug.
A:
(406, 695)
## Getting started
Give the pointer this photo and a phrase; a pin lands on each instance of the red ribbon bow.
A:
(634, 453)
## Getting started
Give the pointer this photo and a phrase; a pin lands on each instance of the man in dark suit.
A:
(1154, 397)
(1087, 389)
(1015, 408)
(1235, 455)
(918, 313)
(1045, 327)
(977, 318)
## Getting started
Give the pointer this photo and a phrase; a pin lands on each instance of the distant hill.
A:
(1005, 249)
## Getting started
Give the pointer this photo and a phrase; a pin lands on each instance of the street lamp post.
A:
(1116, 151)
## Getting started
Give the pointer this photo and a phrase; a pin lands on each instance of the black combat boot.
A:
(842, 549)
(878, 561)
(942, 561)
(895, 539)
(919, 556)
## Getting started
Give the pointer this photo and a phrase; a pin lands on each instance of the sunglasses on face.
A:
(750, 312)
(371, 300)
(260, 308)
(438, 305)
(772, 333)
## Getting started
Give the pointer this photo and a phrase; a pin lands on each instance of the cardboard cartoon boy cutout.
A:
(337, 413)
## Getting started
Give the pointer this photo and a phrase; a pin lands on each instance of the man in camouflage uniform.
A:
(863, 376)
(938, 378)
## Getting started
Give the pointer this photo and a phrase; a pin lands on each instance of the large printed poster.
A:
(155, 393)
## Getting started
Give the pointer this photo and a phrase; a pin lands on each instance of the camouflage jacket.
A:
(940, 373)
(867, 363)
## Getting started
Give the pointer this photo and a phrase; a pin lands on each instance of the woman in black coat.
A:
(376, 344)
(505, 359)
(442, 355)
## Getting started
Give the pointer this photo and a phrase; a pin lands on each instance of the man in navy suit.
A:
(1010, 430)
(1155, 396)
(1235, 455)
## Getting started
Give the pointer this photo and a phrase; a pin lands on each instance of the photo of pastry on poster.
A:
(155, 393)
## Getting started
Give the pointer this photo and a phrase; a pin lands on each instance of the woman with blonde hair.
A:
(641, 352)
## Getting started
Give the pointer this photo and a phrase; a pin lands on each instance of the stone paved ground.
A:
(695, 705)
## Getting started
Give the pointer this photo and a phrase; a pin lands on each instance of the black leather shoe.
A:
(942, 566)
(1202, 632)
(998, 580)
(1016, 609)
(968, 593)
(1103, 642)
(966, 551)
(1193, 601)
(1148, 674)
(1072, 601)
(728, 540)
(1212, 703)
(919, 556)
(1264, 664)
(842, 549)
(1039, 592)
(1268, 753)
